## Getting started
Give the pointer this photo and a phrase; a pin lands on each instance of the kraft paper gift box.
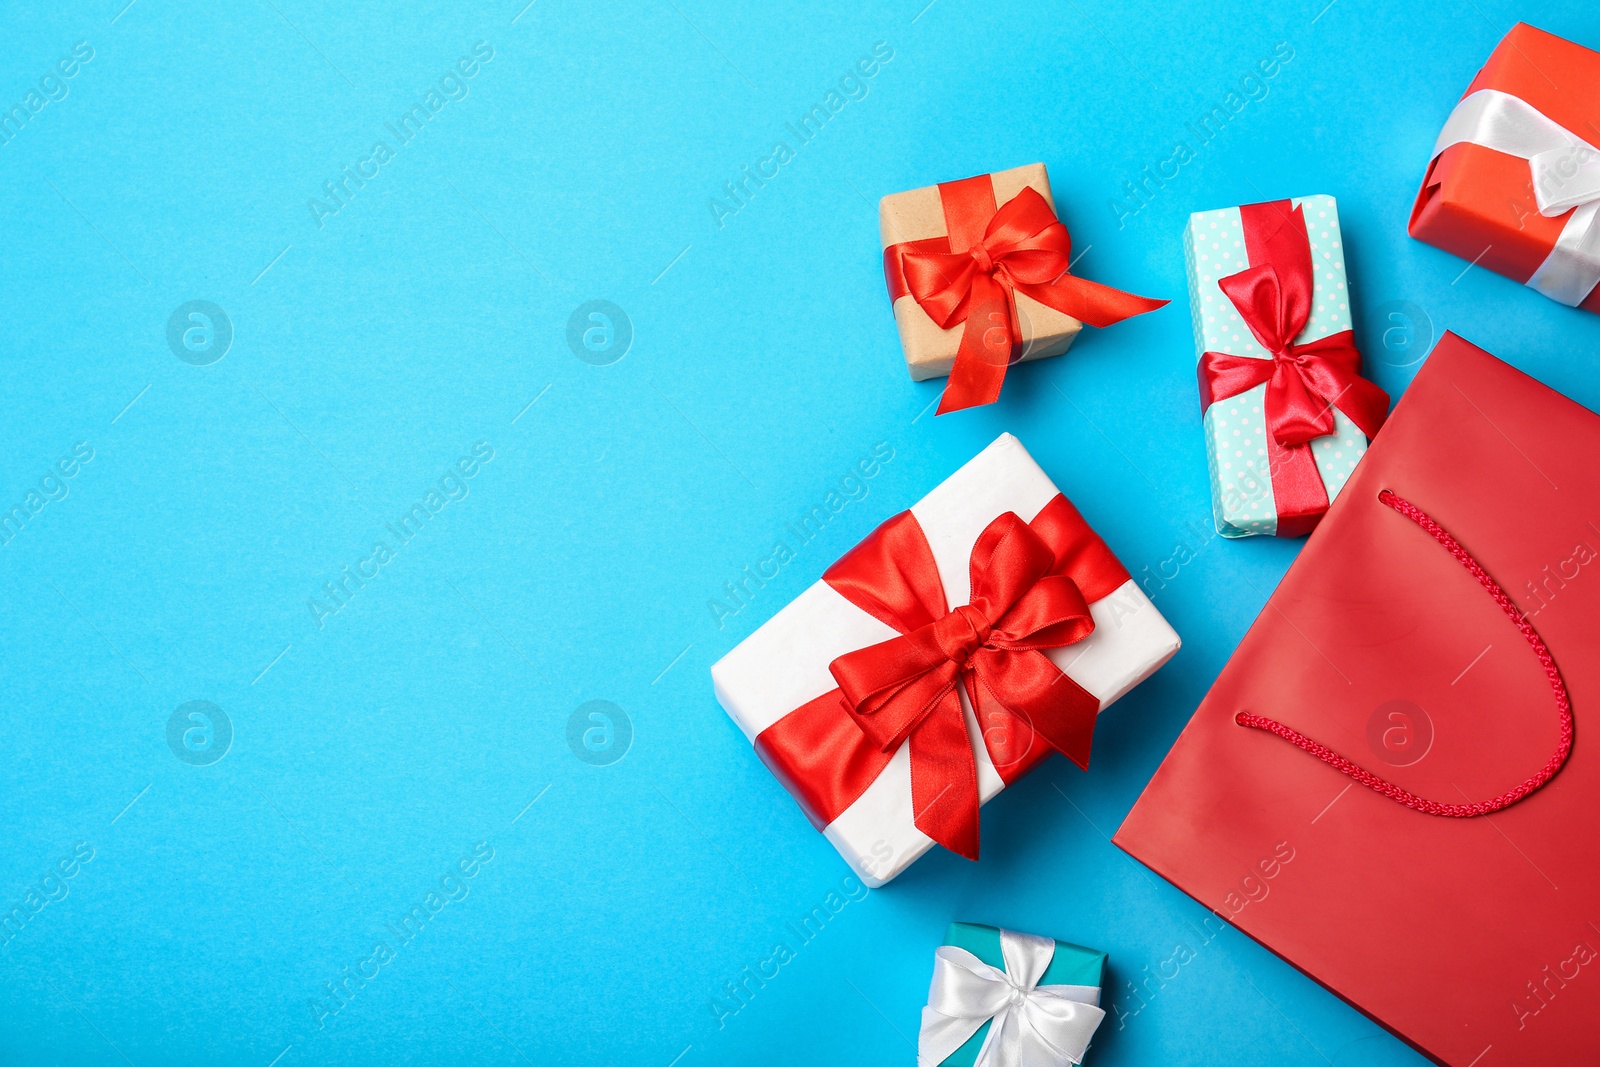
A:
(968, 997)
(918, 214)
(978, 276)
(1265, 254)
(1514, 181)
(779, 685)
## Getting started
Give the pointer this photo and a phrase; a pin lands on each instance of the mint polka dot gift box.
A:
(1287, 413)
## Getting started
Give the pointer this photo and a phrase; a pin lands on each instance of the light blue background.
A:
(370, 754)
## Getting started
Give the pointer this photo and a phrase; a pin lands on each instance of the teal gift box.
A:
(1218, 245)
(1040, 992)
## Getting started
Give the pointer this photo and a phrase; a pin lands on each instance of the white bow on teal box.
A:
(1004, 999)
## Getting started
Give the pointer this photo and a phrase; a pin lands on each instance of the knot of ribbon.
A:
(961, 633)
(1033, 1025)
(972, 276)
(1306, 380)
(1031, 585)
(1565, 173)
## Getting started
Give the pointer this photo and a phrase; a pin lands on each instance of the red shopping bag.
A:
(1417, 837)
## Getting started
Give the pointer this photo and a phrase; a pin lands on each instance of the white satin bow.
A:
(1565, 170)
(1034, 1025)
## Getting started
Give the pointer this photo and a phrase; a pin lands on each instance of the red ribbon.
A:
(1032, 584)
(973, 275)
(1305, 382)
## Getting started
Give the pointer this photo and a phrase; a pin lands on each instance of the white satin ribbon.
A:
(1034, 1025)
(1565, 170)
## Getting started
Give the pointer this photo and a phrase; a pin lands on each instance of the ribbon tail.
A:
(1298, 493)
(944, 779)
(1044, 702)
(1098, 305)
(1069, 728)
(941, 1035)
(989, 341)
(1334, 374)
(1294, 413)
(1365, 405)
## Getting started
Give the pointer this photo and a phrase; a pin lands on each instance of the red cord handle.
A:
(1389, 789)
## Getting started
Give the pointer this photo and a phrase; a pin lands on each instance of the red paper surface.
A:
(1476, 940)
(1477, 203)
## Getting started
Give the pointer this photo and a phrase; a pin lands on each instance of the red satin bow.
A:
(1031, 586)
(974, 274)
(1306, 381)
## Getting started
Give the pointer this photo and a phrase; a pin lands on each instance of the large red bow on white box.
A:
(1031, 588)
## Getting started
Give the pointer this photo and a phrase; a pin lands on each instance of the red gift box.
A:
(1514, 182)
(1443, 873)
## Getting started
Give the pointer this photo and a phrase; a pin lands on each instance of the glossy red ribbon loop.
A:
(972, 276)
(1031, 588)
(1305, 381)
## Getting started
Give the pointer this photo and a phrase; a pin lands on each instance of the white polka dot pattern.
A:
(1236, 438)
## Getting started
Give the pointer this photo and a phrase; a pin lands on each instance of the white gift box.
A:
(784, 664)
